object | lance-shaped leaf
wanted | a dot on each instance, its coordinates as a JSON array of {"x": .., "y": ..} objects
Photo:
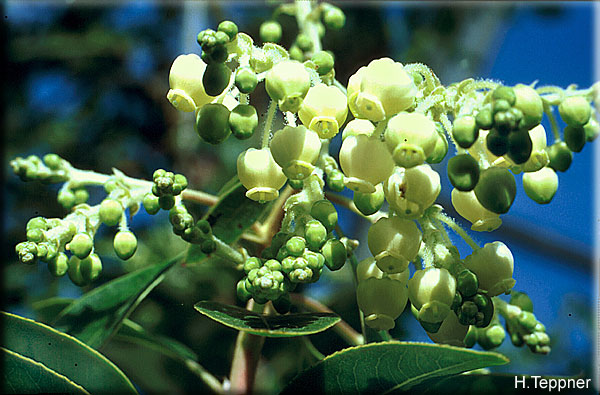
[
  {"x": 60, "y": 353},
  {"x": 298, "y": 324},
  {"x": 387, "y": 366}
]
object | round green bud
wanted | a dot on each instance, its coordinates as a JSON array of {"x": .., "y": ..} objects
[
  {"x": 296, "y": 53},
  {"x": 323, "y": 60},
  {"x": 314, "y": 260},
  {"x": 273, "y": 265},
  {"x": 221, "y": 38},
  {"x": 504, "y": 93},
  {"x": 53, "y": 161},
  {"x": 467, "y": 283},
  {"x": 369, "y": 203},
  {"x": 66, "y": 198},
  {"x": 541, "y": 185},
  {"x": 295, "y": 246},
  {"x": 335, "y": 254},
  {"x": 166, "y": 202},
  {"x": 242, "y": 292},
  {"x": 522, "y": 300},
  {"x": 496, "y": 189},
  {"x": 270, "y": 31},
  {"x": 251, "y": 263},
  {"x": 208, "y": 246},
  {"x": 334, "y": 18},
  {"x": 216, "y": 55},
  {"x": 216, "y": 78},
  {"x": 575, "y": 111},
  {"x": 150, "y": 203},
  {"x": 304, "y": 42},
  {"x": 81, "y": 245},
  {"x": 484, "y": 119},
  {"x": 228, "y": 28},
  {"x": 181, "y": 181},
  {"x": 110, "y": 185},
  {"x": 324, "y": 211},
  {"x": 527, "y": 320},
  {"x": 37, "y": 223},
  {"x": 212, "y": 123},
  {"x": 465, "y": 131},
  {"x": 502, "y": 123},
  {"x": 463, "y": 172},
  {"x": 204, "y": 227},
  {"x": 335, "y": 181},
  {"x": 592, "y": 129},
  {"x": 315, "y": 234},
  {"x": 492, "y": 337},
  {"x": 59, "y": 265},
  {"x": 125, "y": 244},
  {"x": 243, "y": 121},
  {"x": 530, "y": 103},
  {"x": 519, "y": 146},
  {"x": 500, "y": 106},
  {"x": 574, "y": 137},
  {"x": 110, "y": 212},
  {"x": 74, "y": 271},
  {"x": 296, "y": 184},
  {"x": 560, "y": 156},
  {"x": 245, "y": 80},
  {"x": 90, "y": 268},
  {"x": 35, "y": 235}
]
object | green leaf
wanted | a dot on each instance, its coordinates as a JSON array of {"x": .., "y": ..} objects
[
  {"x": 95, "y": 316},
  {"x": 288, "y": 325},
  {"x": 63, "y": 354},
  {"x": 233, "y": 214},
  {"x": 382, "y": 367},
  {"x": 23, "y": 375},
  {"x": 48, "y": 309}
]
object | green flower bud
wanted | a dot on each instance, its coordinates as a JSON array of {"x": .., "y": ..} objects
[
  {"x": 296, "y": 184},
  {"x": 519, "y": 146},
  {"x": 465, "y": 131},
  {"x": 125, "y": 244},
  {"x": 314, "y": 260},
  {"x": 541, "y": 185},
  {"x": 35, "y": 235},
  {"x": 381, "y": 301},
  {"x": 304, "y": 42},
  {"x": 324, "y": 212},
  {"x": 431, "y": 291},
  {"x": 53, "y": 161},
  {"x": 335, "y": 181},
  {"x": 243, "y": 121},
  {"x": 530, "y": 103},
  {"x": 575, "y": 111},
  {"x": 380, "y": 90},
  {"x": 66, "y": 198},
  {"x": 74, "y": 271},
  {"x": 394, "y": 242},
  {"x": 229, "y": 28},
  {"x": 521, "y": 300},
  {"x": 260, "y": 174},
  {"x": 110, "y": 212},
  {"x": 270, "y": 31},
  {"x": 560, "y": 156},
  {"x": 467, "y": 205},
  {"x": 323, "y": 60},
  {"x": 251, "y": 263},
  {"x": 242, "y": 292},
  {"x": 296, "y": 150},
  {"x": 324, "y": 110},
  {"x": 575, "y": 137},
  {"x": 296, "y": 53},
  {"x": 492, "y": 337},
  {"x": 335, "y": 254},
  {"x": 592, "y": 129},
  {"x": 334, "y": 18},
  {"x": 463, "y": 172},
  {"x": 315, "y": 234},
  {"x": 27, "y": 252},
  {"x": 287, "y": 83},
  {"x": 216, "y": 78},
  {"x": 369, "y": 203},
  {"x": 365, "y": 162},
  {"x": 185, "y": 80},
  {"x": 295, "y": 246},
  {"x": 539, "y": 156},
  {"x": 496, "y": 143},
  {"x": 212, "y": 123},
  {"x": 245, "y": 80},
  {"x": 90, "y": 268},
  {"x": 411, "y": 138},
  {"x": 410, "y": 191},
  {"x": 484, "y": 119},
  {"x": 81, "y": 245},
  {"x": 493, "y": 264},
  {"x": 166, "y": 202},
  {"x": 59, "y": 265},
  {"x": 450, "y": 332},
  {"x": 37, "y": 223},
  {"x": 496, "y": 189},
  {"x": 467, "y": 283},
  {"x": 505, "y": 93},
  {"x": 208, "y": 246}
]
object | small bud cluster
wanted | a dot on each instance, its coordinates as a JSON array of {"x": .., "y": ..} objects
[
  {"x": 523, "y": 327},
  {"x": 51, "y": 169}
]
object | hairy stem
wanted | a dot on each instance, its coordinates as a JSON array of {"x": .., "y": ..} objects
[
  {"x": 266, "y": 137},
  {"x": 457, "y": 229}
]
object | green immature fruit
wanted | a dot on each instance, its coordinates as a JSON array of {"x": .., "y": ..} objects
[
  {"x": 125, "y": 244},
  {"x": 270, "y": 31},
  {"x": 560, "y": 156},
  {"x": 243, "y": 121},
  {"x": 465, "y": 131},
  {"x": 484, "y": 119},
  {"x": 245, "y": 80},
  {"x": 369, "y": 203},
  {"x": 216, "y": 78},
  {"x": 467, "y": 283},
  {"x": 496, "y": 189},
  {"x": 81, "y": 245},
  {"x": 575, "y": 111},
  {"x": 334, "y": 18},
  {"x": 90, "y": 268},
  {"x": 463, "y": 172},
  {"x": 59, "y": 265},
  {"x": 315, "y": 234},
  {"x": 212, "y": 123},
  {"x": 575, "y": 137},
  {"x": 541, "y": 185},
  {"x": 110, "y": 212},
  {"x": 519, "y": 146},
  {"x": 324, "y": 211},
  {"x": 335, "y": 254},
  {"x": 323, "y": 60},
  {"x": 496, "y": 143}
]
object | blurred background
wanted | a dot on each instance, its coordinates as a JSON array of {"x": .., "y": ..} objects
[{"x": 89, "y": 83}]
